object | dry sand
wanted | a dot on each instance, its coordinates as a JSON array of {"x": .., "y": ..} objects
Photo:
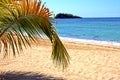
[{"x": 88, "y": 62}]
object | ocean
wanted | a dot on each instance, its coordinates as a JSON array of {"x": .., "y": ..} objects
[{"x": 91, "y": 30}]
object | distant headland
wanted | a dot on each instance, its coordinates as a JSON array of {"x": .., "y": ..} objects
[{"x": 65, "y": 15}]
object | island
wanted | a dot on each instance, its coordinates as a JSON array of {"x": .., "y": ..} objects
[{"x": 65, "y": 15}]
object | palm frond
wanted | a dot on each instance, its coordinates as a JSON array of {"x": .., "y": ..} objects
[{"x": 24, "y": 22}]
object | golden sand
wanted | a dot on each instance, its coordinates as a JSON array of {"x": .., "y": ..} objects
[{"x": 88, "y": 62}]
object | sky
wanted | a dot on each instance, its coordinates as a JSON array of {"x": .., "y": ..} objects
[{"x": 85, "y": 8}]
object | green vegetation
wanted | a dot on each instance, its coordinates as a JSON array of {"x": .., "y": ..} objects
[{"x": 22, "y": 24}]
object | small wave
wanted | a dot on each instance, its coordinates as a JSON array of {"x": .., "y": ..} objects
[{"x": 94, "y": 42}]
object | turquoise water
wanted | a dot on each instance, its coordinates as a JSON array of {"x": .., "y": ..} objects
[{"x": 101, "y": 29}]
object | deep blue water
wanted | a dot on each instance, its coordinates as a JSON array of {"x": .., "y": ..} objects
[{"x": 102, "y": 29}]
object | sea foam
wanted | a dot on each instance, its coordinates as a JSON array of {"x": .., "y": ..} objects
[{"x": 93, "y": 42}]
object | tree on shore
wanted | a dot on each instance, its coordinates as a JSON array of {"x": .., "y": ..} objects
[{"x": 21, "y": 24}]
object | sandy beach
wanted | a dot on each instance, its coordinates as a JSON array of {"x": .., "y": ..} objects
[{"x": 88, "y": 62}]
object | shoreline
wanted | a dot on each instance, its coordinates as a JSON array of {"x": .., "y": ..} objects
[{"x": 91, "y": 42}]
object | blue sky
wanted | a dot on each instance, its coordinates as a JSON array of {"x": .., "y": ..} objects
[{"x": 85, "y": 8}]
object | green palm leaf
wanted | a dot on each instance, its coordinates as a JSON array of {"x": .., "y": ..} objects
[{"x": 21, "y": 23}]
